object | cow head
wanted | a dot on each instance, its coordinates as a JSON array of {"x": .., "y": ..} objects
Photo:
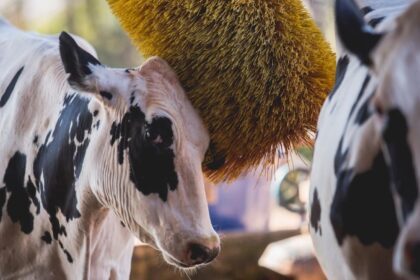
[
  {"x": 394, "y": 59},
  {"x": 147, "y": 154}
]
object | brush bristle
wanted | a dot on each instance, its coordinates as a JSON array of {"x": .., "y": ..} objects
[{"x": 258, "y": 71}]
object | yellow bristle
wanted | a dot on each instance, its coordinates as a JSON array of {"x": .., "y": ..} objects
[{"x": 258, "y": 71}]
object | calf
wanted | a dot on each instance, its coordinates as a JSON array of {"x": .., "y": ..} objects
[
  {"x": 365, "y": 217},
  {"x": 90, "y": 155}
]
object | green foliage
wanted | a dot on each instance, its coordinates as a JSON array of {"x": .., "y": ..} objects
[{"x": 306, "y": 152}]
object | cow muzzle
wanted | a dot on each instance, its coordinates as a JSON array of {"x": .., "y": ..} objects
[{"x": 194, "y": 253}]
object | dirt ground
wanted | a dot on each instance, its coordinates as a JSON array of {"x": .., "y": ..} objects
[{"x": 238, "y": 260}]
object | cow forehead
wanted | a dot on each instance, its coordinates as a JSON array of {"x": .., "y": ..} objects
[
  {"x": 410, "y": 18},
  {"x": 159, "y": 126},
  {"x": 119, "y": 81},
  {"x": 187, "y": 129},
  {"x": 164, "y": 98},
  {"x": 397, "y": 61},
  {"x": 156, "y": 96},
  {"x": 400, "y": 46}
]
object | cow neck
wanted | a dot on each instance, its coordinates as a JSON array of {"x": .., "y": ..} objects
[{"x": 106, "y": 238}]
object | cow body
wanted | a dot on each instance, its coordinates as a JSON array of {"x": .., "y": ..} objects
[
  {"x": 72, "y": 187},
  {"x": 354, "y": 224},
  {"x": 37, "y": 139}
]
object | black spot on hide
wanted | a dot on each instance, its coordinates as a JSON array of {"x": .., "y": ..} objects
[
  {"x": 360, "y": 95},
  {"x": 106, "y": 94},
  {"x": 69, "y": 257},
  {"x": 35, "y": 141},
  {"x": 59, "y": 161},
  {"x": 412, "y": 254},
  {"x": 5, "y": 97},
  {"x": 151, "y": 158},
  {"x": 363, "y": 205},
  {"x": 364, "y": 112},
  {"x": 18, "y": 203},
  {"x": 47, "y": 237},
  {"x": 97, "y": 124},
  {"x": 2, "y": 200},
  {"x": 341, "y": 70},
  {"x": 32, "y": 191},
  {"x": 315, "y": 218},
  {"x": 401, "y": 166},
  {"x": 132, "y": 98}
]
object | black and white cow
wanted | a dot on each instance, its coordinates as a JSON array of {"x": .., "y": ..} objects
[
  {"x": 90, "y": 155},
  {"x": 365, "y": 212}
]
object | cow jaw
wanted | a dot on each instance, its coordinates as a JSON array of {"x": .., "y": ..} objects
[
  {"x": 190, "y": 228},
  {"x": 179, "y": 223}
]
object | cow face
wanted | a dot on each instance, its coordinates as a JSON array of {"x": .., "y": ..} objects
[
  {"x": 397, "y": 103},
  {"x": 147, "y": 154},
  {"x": 395, "y": 59}
]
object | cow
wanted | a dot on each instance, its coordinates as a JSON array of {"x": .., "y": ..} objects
[
  {"x": 92, "y": 155},
  {"x": 364, "y": 207}
]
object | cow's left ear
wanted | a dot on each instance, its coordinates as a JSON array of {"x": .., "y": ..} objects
[
  {"x": 77, "y": 63},
  {"x": 355, "y": 34},
  {"x": 156, "y": 64}
]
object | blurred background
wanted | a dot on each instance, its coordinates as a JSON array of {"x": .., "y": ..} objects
[
  {"x": 90, "y": 19},
  {"x": 93, "y": 20},
  {"x": 261, "y": 216}
]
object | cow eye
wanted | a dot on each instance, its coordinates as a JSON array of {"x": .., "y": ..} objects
[
  {"x": 159, "y": 132},
  {"x": 154, "y": 138},
  {"x": 378, "y": 109}
]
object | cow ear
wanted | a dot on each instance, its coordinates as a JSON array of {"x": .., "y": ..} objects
[
  {"x": 156, "y": 64},
  {"x": 77, "y": 63},
  {"x": 355, "y": 34}
]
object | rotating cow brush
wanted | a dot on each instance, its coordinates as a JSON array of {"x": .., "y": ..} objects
[{"x": 257, "y": 71}]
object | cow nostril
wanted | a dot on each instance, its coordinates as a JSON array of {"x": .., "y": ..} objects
[
  {"x": 412, "y": 256},
  {"x": 199, "y": 254}
]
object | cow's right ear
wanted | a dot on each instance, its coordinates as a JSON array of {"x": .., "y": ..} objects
[{"x": 77, "y": 63}]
